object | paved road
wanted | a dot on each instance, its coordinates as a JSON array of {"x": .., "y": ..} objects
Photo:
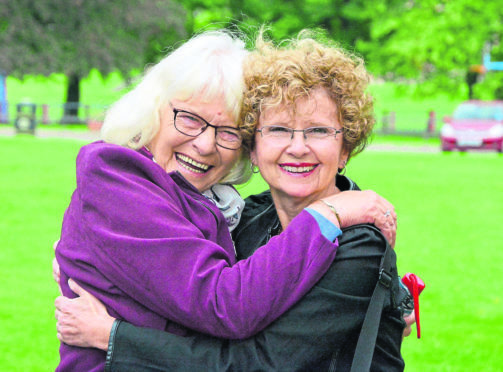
[
  {"x": 403, "y": 148},
  {"x": 89, "y": 136},
  {"x": 83, "y": 135}
]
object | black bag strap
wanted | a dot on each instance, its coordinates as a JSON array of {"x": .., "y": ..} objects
[{"x": 368, "y": 335}]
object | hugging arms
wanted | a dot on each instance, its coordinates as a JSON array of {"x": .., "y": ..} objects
[{"x": 299, "y": 135}]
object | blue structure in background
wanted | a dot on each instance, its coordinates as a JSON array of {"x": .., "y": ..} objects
[
  {"x": 4, "y": 109},
  {"x": 491, "y": 65}
]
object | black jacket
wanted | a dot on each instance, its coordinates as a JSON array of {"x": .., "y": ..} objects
[{"x": 320, "y": 331}]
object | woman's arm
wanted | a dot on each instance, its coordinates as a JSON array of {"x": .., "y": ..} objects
[
  {"x": 358, "y": 207},
  {"x": 82, "y": 321},
  {"x": 131, "y": 237},
  {"x": 325, "y": 322}
]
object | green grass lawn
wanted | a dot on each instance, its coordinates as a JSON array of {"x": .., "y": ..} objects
[
  {"x": 96, "y": 91},
  {"x": 449, "y": 208},
  {"x": 411, "y": 114},
  {"x": 37, "y": 180},
  {"x": 449, "y": 232}
]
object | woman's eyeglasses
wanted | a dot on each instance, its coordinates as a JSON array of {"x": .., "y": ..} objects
[
  {"x": 285, "y": 134},
  {"x": 193, "y": 125}
]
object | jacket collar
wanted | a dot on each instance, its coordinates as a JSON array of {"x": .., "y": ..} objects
[{"x": 261, "y": 219}]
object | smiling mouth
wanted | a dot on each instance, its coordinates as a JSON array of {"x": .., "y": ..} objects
[
  {"x": 191, "y": 164},
  {"x": 292, "y": 169}
]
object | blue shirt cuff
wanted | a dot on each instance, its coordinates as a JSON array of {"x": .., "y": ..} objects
[{"x": 327, "y": 228}]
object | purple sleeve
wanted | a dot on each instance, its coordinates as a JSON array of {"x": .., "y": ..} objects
[{"x": 147, "y": 243}]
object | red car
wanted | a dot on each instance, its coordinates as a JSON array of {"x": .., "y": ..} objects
[{"x": 474, "y": 125}]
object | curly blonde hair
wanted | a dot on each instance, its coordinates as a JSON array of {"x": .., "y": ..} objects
[{"x": 277, "y": 75}]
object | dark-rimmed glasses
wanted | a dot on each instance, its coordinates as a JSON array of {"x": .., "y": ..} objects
[{"x": 193, "y": 125}]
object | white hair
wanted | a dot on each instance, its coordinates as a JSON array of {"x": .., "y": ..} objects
[{"x": 208, "y": 66}]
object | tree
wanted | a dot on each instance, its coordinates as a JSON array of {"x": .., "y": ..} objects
[
  {"x": 341, "y": 19},
  {"x": 73, "y": 37},
  {"x": 433, "y": 42}
]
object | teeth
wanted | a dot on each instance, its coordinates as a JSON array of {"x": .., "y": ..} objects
[
  {"x": 298, "y": 169},
  {"x": 202, "y": 167},
  {"x": 191, "y": 169}
]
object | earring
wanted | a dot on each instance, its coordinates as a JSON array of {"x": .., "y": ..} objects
[
  {"x": 342, "y": 171},
  {"x": 254, "y": 168}
]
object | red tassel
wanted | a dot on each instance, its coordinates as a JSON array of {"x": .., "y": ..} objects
[{"x": 415, "y": 286}]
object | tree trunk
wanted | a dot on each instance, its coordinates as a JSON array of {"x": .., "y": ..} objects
[
  {"x": 71, "y": 113},
  {"x": 471, "y": 79}
]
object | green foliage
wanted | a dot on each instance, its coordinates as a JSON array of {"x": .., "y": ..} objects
[
  {"x": 49, "y": 36},
  {"x": 431, "y": 41},
  {"x": 491, "y": 86},
  {"x": 341, "y": 18}
]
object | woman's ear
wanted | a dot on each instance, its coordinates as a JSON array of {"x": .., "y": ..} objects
[
  {"x": 343, "y": 159},
  {"x": 253, "y": 157}
]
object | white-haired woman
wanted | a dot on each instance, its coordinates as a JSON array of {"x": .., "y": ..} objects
[{"x": 144, "y": 232}]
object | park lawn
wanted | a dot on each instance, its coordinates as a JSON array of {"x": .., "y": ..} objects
[
  {"x": 449, "y": 208},
  {"x": 411, "y": 114},
  {"x": 37, "y": 180},
  {"x": 96, "y": 91},
  {"x": 449, "y": 232}
]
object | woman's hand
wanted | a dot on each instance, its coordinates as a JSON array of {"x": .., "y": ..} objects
[
  {"x": 356, "y": 207},
  {"x": 83, "y": 321},
  {"x": 409, "y": 321},
  {"x": 55, "y": 267}
]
